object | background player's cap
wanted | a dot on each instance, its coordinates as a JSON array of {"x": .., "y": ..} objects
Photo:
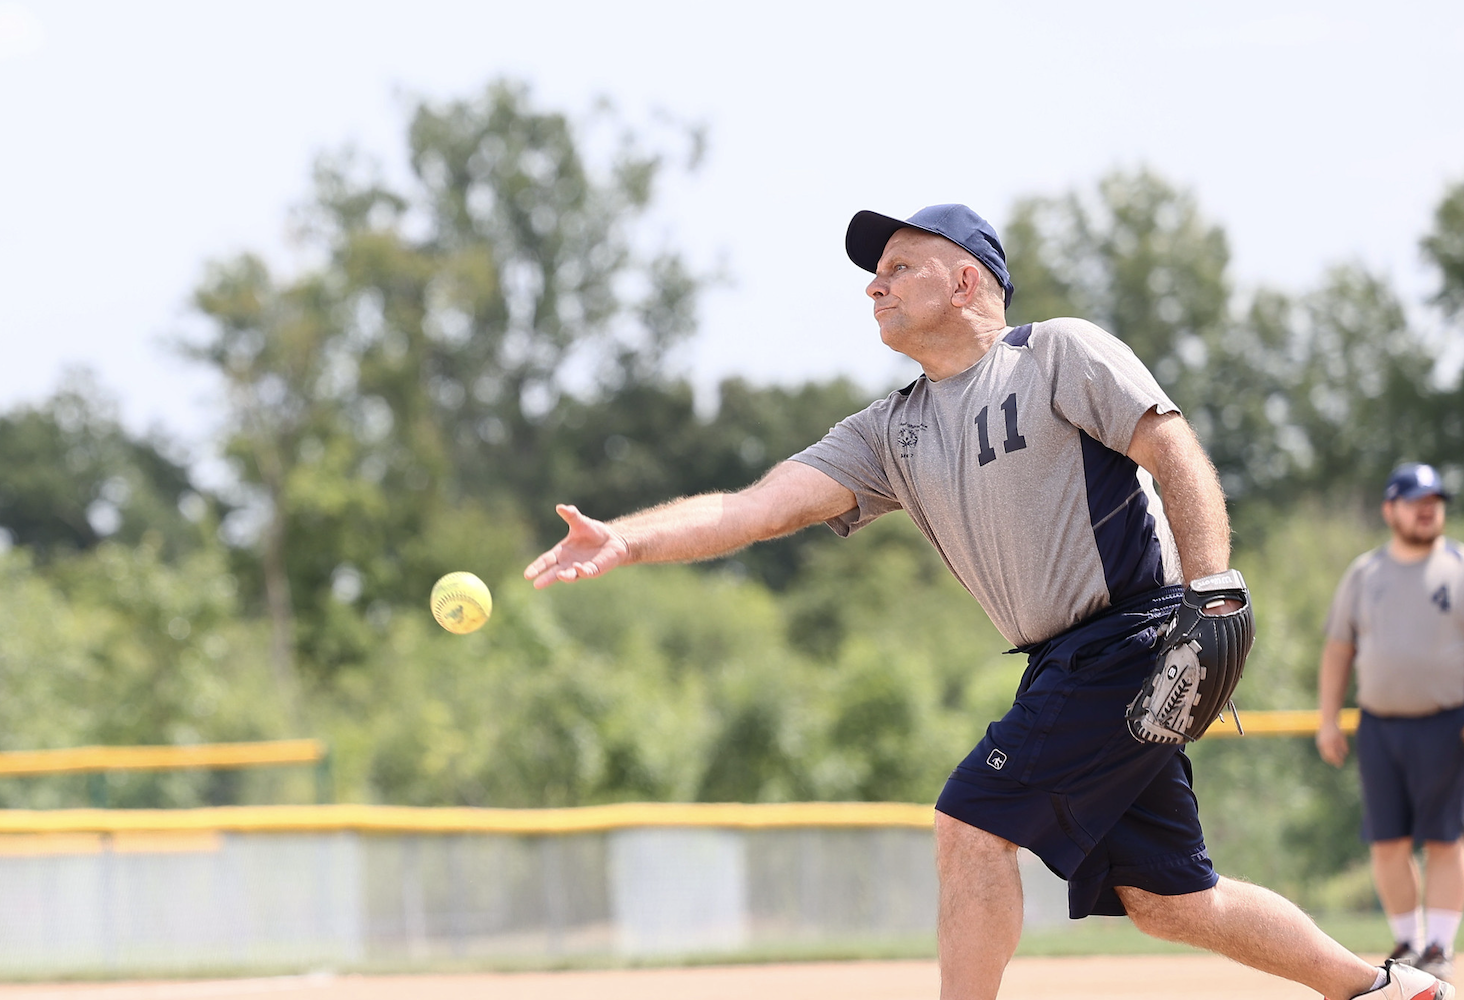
[
  {"x": 1413, "y": 480},
  {"x": 869, "y": 232}
]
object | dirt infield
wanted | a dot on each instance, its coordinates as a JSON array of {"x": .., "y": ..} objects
[{"x": 1203, "y": 978}]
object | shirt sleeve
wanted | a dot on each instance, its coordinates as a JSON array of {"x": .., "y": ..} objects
[
  {"x": 850, "y": 455},
  {"x": 1342, "y": 617},
  {"x": 1098, "y": 384}
]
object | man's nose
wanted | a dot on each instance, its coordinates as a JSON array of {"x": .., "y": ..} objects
[{"x": 875, "y": 288}]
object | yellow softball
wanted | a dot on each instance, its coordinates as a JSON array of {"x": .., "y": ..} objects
[{"x": 461, "y": 603}]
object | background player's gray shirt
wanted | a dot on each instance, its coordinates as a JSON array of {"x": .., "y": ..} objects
[
  {"x": 1407, "y": 622},
  {"x": 1015, "y": 470}
]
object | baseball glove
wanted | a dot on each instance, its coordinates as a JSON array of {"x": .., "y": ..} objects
[{"x": 1200, "y": 657}]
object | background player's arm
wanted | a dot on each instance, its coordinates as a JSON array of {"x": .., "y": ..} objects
[
  {"x": 791, "y": 496},
  {"x": 1332, "y": 681},
  {"x": 1164, "y": 444}
]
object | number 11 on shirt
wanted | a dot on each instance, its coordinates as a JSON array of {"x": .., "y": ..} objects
[{"x": 1013, "y": 442}]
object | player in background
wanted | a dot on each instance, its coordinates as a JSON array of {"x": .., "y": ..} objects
[
  {"x": 1398, "y": 619},
  {"x": 1028, "y": 456}
]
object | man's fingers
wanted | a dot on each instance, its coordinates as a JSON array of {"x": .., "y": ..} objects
[
  {"x": 539, "y": 565},
  {"x": 556, "y": 566}
]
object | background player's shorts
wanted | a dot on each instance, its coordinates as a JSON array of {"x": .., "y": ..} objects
[
  {"x": 1412, "y": 776},
  {"x": 1060, "y": 774}
]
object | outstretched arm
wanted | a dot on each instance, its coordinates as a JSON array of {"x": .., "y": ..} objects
[
  {"x": 1193, "y": 501},
  {"x": 791, "y": 496}
]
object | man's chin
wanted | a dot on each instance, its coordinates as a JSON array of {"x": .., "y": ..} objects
[{"x": 1424, "y": 537}]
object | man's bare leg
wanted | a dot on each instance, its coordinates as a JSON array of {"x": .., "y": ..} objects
[
  {"x": 1395, "y": 874},
  {"x": 1256, "y": 927},
  {"x": 980, "y": 918},
  {"x": 1443, "y": 875}
]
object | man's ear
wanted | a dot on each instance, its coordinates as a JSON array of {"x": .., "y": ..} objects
[{"x": 968, "y": 285}]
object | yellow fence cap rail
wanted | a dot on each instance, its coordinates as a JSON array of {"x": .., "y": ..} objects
[
  {"x": 1282, "y": 722},
  {"x": 410, "y": 819},
  {"x": 159, "y": 758}
]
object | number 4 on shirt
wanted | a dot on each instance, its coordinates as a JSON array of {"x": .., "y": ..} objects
[{"x": 1013, "y": 442}]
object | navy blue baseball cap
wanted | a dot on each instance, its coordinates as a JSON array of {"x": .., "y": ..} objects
[
  {"x": 1413, "y": 480},
  {"x": 869, "y": 232}
]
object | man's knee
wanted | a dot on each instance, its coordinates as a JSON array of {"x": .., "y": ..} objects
[{"x": 1398, "y": 847}]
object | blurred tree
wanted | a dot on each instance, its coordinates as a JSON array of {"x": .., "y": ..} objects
[
  {"x": 1444, "y": 248},
  {"x": 415, "y": 371},
  {"x": 1363, "y": 387},
  {"x": 74, "y": 477},
  {"x": 512, "y": 270},
  {"x": 272, "y": 346}
]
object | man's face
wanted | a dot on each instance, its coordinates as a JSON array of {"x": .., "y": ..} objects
[
  {"x": 912, "y": 287},
  {"x": 1416, "y": 522}
]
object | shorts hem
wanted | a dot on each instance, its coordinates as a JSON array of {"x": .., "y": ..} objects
[
  {"x": 1059, "y": 853},
  {"x": 1174, "y": 875}
]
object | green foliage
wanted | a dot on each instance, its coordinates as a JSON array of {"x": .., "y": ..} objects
[
  {"x": 117, "y": 646},
  {"x": 413, "y": 374},
  {"x": 1444, "y": 247},
  {"x": 73, "y": 478}
]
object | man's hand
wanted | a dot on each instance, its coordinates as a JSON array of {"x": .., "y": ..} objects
[
  {"x": 1331, "y": 743},
  {"x": 591, "y": 548}
]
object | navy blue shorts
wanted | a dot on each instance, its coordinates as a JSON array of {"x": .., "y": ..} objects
[
  {"x": 1412, "y": 776},
  {"x": 1060, "y": 774}
]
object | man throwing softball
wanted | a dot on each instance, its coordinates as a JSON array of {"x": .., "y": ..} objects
[{"x": 1028, "y": 457}]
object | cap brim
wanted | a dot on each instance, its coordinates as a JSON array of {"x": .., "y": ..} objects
[
  {"x": 1426, "y": 491},
  {"x": 867, "y": 235}
]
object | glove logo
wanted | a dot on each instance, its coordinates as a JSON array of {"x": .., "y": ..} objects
[{"x": 997, "y": 760}]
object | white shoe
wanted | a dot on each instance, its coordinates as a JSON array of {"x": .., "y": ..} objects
[
  {"x": 1436, "y": 962},
  {"x": 1407, "y": 983}
]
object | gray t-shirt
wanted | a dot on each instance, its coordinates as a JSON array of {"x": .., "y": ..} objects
[
  {"x": 1407, "y": 622},
  {"x": 1016, "y": 471}
]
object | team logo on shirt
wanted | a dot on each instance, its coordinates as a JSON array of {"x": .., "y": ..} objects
[
  {"x": 1441, "y": 598},
  {"x": 996, "y": 760},
  {"x": 907, "y": 437}
]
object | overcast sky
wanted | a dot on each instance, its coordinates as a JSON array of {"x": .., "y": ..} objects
[{"x": 140, "y": 140}]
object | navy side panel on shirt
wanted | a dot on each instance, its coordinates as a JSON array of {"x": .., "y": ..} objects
[{"x": 1122, "y": 526}]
